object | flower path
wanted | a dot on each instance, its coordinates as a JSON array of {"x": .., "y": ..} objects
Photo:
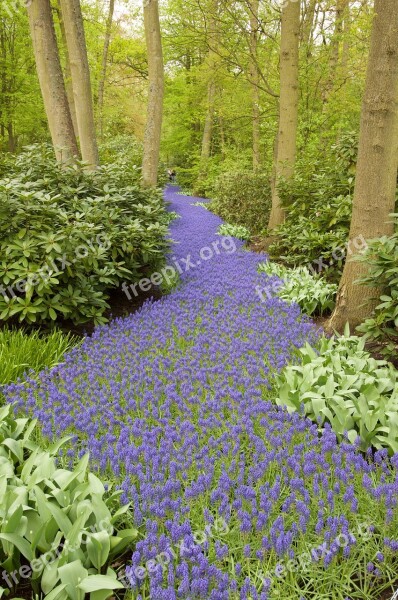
[{"x": 174, "y": 401}]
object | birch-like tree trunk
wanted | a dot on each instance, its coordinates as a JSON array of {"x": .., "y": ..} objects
[
  {"x": 101, "y": 85},
  {"x": 376, "y": 174},
  {"x": 81, "y": 84},
  {"x": 288, "y": 104},
  {"x": 51, "y": 80},
  {"x": 153, "y": 130}
]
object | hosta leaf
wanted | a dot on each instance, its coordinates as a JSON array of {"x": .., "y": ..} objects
[{"x": 94, "y": 583}]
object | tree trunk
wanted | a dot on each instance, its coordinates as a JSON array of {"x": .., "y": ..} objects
[
  {"x": 101, "y": 86},
  {"x": 254, "y": 80},
  {"x": 376, "y": 179},
  {"x": 51, "y": 80},
  {"x": 68, "y": 75},
  {"x": 153, "y": 130},
  {"x": 288, "y": 104},
  {"x": 12, "y": 142},
  {"x": 212, "y": 60},
  {"x": 341, "y": 9},
  {"x": 307, "y": 26},
  {"x": 76, "y": 43},
  {"x": 208, "y": 127}
]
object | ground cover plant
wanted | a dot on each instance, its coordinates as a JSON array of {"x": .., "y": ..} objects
[
  {"x": 234, "y": 497},
  {"x": 59, "y": 528},
  {"x": 68, "y": 237},
  {"x": 341, "y": 383},
  {"x": 21, "y": 352},
  {"x": 313, "y": 294},
  {"x": 238, "y": 231}
]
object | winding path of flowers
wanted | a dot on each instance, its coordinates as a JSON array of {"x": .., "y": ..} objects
[{"x": 175, "y": 401}]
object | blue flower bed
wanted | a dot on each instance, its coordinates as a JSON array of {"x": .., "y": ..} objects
[{"x": 233, "y": 497}]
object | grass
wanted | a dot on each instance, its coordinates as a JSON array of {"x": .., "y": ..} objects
[{"x": 21, "y": 352}]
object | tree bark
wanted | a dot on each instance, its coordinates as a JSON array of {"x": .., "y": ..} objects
[
  {"x": 288, "y": 104},
  {"x": 342, "y": 7},
  {"x": 212, "y": 60},
  {"x": 255, "y": 80},
  {"x": 76, "y": 43},
  {"x": 51, "y": 80},
  {"x": 68, "y": 74},
  {"x": 376, "y": 179},
  {"x": 153, "y": 130},
  {"x": 208, "y": 127},
  {"x": 307, "y": 25},
  {"x": 101, "y": 85}
]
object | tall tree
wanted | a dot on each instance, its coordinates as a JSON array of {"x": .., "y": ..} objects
[
  {"x": 254, "y": 79},
  {"x": 101, "y": 85},
  {"x": 288, "y": 104},
  {"x": 211, "y": 68},
  {"x": 376, "y": 179},
  {"x": 81, "y": 84},
  {"x": 153, "y": 130},
  {"x": 67, "y": 71},
  {"x": 51, "y": 80}
]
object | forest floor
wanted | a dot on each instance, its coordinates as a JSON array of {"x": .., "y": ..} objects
[{"x": 174, "y": 403}]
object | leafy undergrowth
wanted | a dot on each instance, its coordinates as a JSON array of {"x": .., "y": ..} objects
[
  {"x": 60, "y": 528},
  {"x": 68, "y": 237},
  {"x": 235, "y": 497},
  {"x": 22, "y": 352},
  {"x": 342, "y": 384},
  {"x": 314, "y": 295}
]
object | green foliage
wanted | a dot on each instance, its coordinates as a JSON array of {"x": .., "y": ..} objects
[
  {"x": 344, "y": 385},
  {"x": 243, "y": 198},
  {"x": 318, "y": 205},
  {"x": 67, "y": 237},
  {"x": 59, "y": 524},
  {"x": 238, "y": 231},
  {"x": 202, "y": 204},
  {"x": 170, "y": 216},
  {"x": 312, "y": 293},
  {"x": 21, "y": 352},
  {"x": 122, "y": 146},
  {"x": 381, "y": 257}
]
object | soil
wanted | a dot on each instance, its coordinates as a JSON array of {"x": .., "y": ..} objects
[{"x": 260, "y": 243}]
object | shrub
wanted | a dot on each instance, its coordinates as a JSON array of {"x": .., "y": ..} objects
[
  {"x": 21, "y": 352},
  {"x": 243, "y": 198},
  {"x": 318, "y": 210},
  {"x": 113, "y": 148},
  {"x": 57, "y": 525},
  {"x": 312, "y": 293},
  {"x": 344, "y": 385},
  {"x": 67, "y": 237},
  {"x": 381, "y": 257},
  {"x": 238, "y": 231}
]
